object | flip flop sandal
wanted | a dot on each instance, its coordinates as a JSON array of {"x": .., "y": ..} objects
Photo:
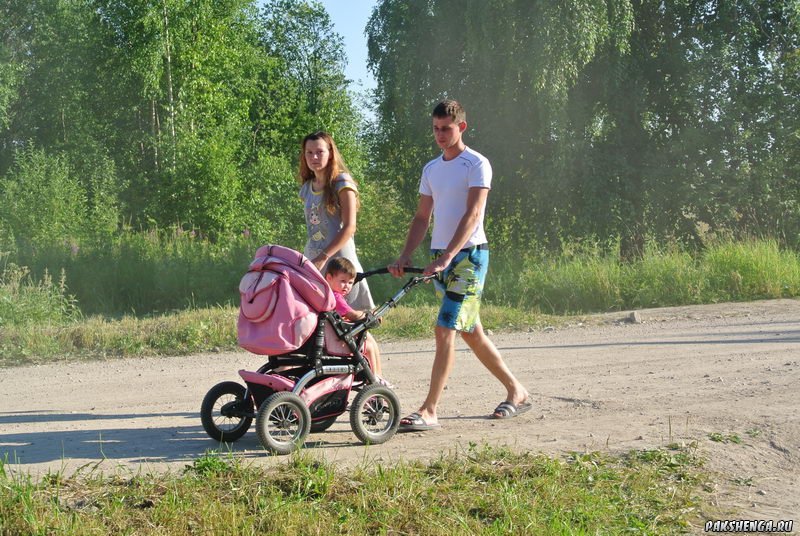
[
  {"x": 385, "y": 383},
  {"x": 415, "y": 423},
  {"x": 507, "y": 410}
]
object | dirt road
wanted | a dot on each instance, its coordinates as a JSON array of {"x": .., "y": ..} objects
[{"x": 681, "y": 375}]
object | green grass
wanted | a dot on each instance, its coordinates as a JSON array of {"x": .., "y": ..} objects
[
  {"x": 484, "y": 490},
  {"x": 27, "y": 301},
  {"x": 181, "y": 333},
  {"x": 196, "y": 330},
  {"x": 735, "y": 271},
  {"x": 718, "y": 437},
  {"x": 156, "y": 272},
  {"x": 591, "y": 281},
  {"x": 40, "y": 319}
]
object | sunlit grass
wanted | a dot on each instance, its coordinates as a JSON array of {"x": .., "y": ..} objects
[
  {"x": 197, "y": 330},
  {"x": 595, "y": 282},
  {"x": 482, "y": 490},
  {"x": 180, "y": 333},
  {"x": 25, "y": 300},
  {"x": 40, "y": 320},
  {"x": 736, "y": 271}
]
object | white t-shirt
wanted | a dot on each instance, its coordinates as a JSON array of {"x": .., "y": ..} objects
[{"x": 448, "y": 182}]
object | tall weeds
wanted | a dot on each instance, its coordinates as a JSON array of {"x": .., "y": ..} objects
[
  {"x": 734, "y": 271},
  {"x": 26, "y": 301},
  {"x": 725, "y": 271},
  {"x": 157, "y": 273},
  {"x": 150, "y": 272}
]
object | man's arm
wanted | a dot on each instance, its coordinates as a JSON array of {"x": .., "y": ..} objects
[
  {"x": 476, "y": 201},
  {"x": 416, "y": 233}
]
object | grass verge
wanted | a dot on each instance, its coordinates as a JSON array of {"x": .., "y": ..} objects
[
  {"x": 40, "y": 321},
  {"x": 485, "y": 490},
  {"x": 198, "y": 330}
]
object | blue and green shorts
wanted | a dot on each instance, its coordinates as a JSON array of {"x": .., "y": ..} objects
[{"x": 460, "y": 286}]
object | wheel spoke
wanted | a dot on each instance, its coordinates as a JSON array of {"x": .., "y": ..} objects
[
  {"x": 225, "y": 412},
  {"x": 284, "y": 422},
  {"x": 224, "y": 422},
  {"x": 373, "y": 412}
]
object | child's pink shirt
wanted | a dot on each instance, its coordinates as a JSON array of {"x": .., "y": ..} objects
[{"x": 342, "y": 307}]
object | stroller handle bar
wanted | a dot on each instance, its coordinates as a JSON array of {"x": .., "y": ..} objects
[
  {"x": 376, "y": 271},
  {"x": 374, "y": 316}
]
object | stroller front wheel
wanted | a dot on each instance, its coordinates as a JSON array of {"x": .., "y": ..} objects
[
  {"x": 283, "y": 422},
  {"x": 225, "y": 412},
  {"x": 375, "y": 414}
]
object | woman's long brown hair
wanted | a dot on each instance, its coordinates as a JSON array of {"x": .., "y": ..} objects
[{"x": 335, "y": 168}]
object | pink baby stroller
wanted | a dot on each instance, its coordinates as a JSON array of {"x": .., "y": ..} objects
[{"x": 315, "y": 360}]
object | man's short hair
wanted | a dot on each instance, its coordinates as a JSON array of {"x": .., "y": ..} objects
[
  {"x": 450, "y": 108},
  {"x": 340, "y": 265}
]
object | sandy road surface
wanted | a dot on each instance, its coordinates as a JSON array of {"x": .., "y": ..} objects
[{"x": 679, "y": 376}]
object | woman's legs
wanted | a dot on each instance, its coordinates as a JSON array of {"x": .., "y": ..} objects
[{"x": 373, "y": 355}]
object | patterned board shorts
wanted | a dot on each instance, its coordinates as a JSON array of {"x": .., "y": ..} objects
[{"x": 460, "y": 286}]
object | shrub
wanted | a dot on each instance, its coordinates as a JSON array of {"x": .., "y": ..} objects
[
  {"x": 748, "y": 270},
  {"x": 24, "y": 301},
  {"x": 44, "y": 201}
]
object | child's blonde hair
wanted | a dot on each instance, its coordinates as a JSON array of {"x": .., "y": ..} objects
[{"x": 340, "y": 265}]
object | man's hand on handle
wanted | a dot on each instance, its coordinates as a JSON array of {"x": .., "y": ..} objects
[
  {"x": 441, "y": 262},
  {"x": 397, "y": 268}
]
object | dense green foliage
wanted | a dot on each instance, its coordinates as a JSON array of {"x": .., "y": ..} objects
[
  {"x": 484, "y": 490},
  {"x": 147, "y": 148},
  {"x": 157, "y": 114},
  {"x": 623, "y": 120}
]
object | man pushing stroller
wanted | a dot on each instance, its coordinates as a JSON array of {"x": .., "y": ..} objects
[{"x": 453, "y": 189}]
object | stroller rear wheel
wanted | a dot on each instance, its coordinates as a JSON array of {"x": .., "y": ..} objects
[
  {"x": 375, "y": 414},
  {"x": 283, "y": 422},
  {"x": 225, "y": 412}
]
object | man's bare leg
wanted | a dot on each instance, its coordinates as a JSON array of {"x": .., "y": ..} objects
[
  {"x": 442, "y": 365},
  {"x": 489, "y": 356}
]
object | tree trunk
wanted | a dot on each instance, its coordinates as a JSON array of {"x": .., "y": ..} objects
[
  {"x": 155, "y": 129},
  {"x": 170, "y": 95},
  {"x": 631, "y": 244}
]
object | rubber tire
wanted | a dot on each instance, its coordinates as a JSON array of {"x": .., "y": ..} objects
[
  {"x": 367, "y": 394},
  {"x": 322, "y": 425},
  {"x": 292, "y": 402},
  {"x": 207, "y": 412}
]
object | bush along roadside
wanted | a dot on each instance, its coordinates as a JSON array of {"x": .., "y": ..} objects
[{"x": 40, "y": 319}]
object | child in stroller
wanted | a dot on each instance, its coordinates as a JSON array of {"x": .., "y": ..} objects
[
  {"x": 340, "y": 275},
  {"x": 315, "y": 360}
]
